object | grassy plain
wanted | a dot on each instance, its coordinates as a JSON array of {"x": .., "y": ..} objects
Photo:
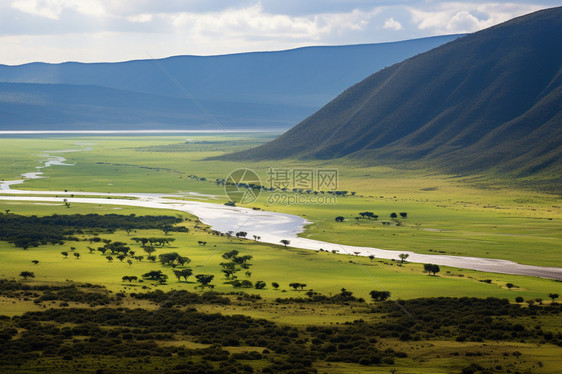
[
  {"x": 324, "y": 272},
  {"x": 446, "y": 214}
]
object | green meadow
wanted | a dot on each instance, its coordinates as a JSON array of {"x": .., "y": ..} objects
[
  {"x": 323, "y": 272},
  {"x": 446, "y": 214}
]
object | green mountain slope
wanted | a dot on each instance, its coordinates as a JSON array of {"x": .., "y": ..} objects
[{"x": 491, "y": 100}]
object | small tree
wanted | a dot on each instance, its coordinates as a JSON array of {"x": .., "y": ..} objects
[
  {"x": 403, "y": 214},
  {"x": 393, "y": 215},
  {"x": 380, "y": 295},
  {"x": 177, "y": 274},
  {"x": 553, "y": 296},
  {"x": 371, "y": 257},
  {"x": 403, "y": 256},
  {"x": 295, "y": 285},
  {"x": 285, "y": 242},
  {"x": 149, "y": 249},
  {"x": 35, "y": 261},
  {"x": 65, "y": 254},
  {"x": 260, "y": 285},
  {"x": 205, "y": 279},
  {"x": 435, "y": 269},
  {"x": 275, "y": 285},
  {"x": 339, "y": 219},
  {"x": 130, "y": 262},
  {"x": 183, "y": 260},
  {"x": 77, "y": 255},
  {"x": 241, "y": 234},
  {"x": 431, "y": 268},
  {"x": 109, "y": 258},
  {"x": 519, "y": 299},
  {"x": 156, "y": 275},
  {"x": 184, "y": 273},
  {"x": 27, "y": 274}
]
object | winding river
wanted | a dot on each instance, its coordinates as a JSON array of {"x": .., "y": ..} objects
[{"x": 270, "y": 226}]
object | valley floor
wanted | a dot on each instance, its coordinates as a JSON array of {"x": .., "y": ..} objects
[{"x": 445, "y": 216}]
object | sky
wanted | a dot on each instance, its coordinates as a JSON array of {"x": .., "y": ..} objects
[{"x": 119, "y": 30}]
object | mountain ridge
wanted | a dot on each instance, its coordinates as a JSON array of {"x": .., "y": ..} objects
[
  {"x": 467, "y": 106},
  {"x": 256, "y": 89}
]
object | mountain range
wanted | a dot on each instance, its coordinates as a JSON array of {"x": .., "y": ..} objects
[
  {"x": 261, "y": 90},
  {"x": 488, "y": 101}
]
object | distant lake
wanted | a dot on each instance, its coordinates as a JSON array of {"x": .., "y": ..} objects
[{"x": 18, "y": 133}]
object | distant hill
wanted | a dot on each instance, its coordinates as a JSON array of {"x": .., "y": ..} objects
[
  {"x": 249, "y": 90},
  {"x": 491, "y": 100}
]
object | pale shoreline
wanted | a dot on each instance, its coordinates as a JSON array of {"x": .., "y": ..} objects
[{"x": 226, "y": 131}]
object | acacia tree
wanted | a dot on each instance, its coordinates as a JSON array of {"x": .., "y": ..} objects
[
  {"x": 156, "y": 275},
  {"x": 553, "y": 296},
  {"x": 285, "y": 242},
  {"x": 183, "y": 260},
  {"x": 65, "y": 254},
  {"x": 167, "y": 228},
  {"x": 229, "y": 255},
  {"x": 241, "y": 234},
  {"x": 27, "y": 274},
  {"x": 77, "y": 255},
  {"x": 295, "y": 285},
  {"x": 205, "y": 279},
  {"x": 432, "y": 268},
  {"x": 149, "y": 249},
  {"x": 275, "y": 285},
  {"x": 403, "y": 256},
  {"x": 379, "y": 295},
  {"x": 184, "y": 273},
  {"x": 435, "y": 269}
]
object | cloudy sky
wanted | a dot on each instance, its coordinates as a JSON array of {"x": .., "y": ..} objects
[{"x": 116, "y": 30}]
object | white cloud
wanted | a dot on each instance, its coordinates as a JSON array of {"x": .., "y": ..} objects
[
  {"x": 141, "y": 18},
  {"x": 47, "y": 9},
  {"x": 456, "y": 17},
  {"x": 110, "y": 30},
  {"x": 392, "y": 24},
  {"x": 52, "y": 9},
  {"x": 253, "y": 23}
]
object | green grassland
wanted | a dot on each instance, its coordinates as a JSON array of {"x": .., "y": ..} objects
[
  {"x": 323, "y": 272},
  {"x": 446, "y": 214}
]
